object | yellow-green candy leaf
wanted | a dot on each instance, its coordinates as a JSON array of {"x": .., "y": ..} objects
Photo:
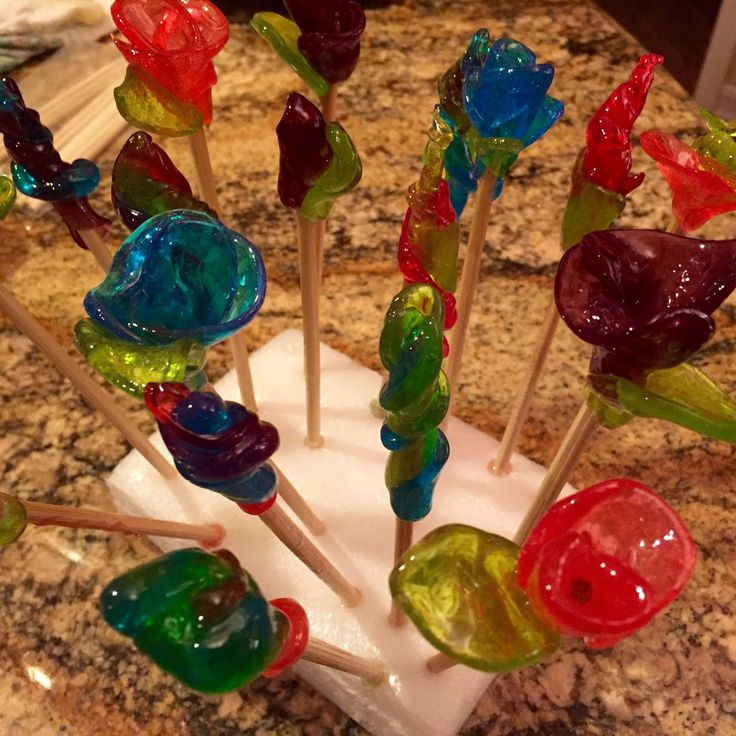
[
  {"x": 13, "y": 518},
  {"x": 130, "y": 367},
  {"x": 458, "y": 585},
  {"x": 342, "y": 175},
  {"x": 7, "y": 196},
  {"x": 283, "y": 36}
]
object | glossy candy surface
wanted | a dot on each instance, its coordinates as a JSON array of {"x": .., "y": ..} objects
[
  {"x": 458, "y": 586},
  {"x": 182, "y": 274},
  {"x": 321, "y": 44},
  {"x": 174, "y": 41},
  {"x": 38, "y": 170},
  {"x": 202, "y": 618},
  {"x": 495, "y": 100},
  {"x": 317, "y": 162},
  {"x": 145, "y": 183},
  {"x": 701, "y": 187},
  {"x": 601, "y": 177},
  {"x": 129, "y": 366},
  {"x": 12, "y": 518},
  {"x": 7, "y": 196},
  {"x": 719, "y": 143},
  {"x": 601, "y": 563},
  {"x": 643, "y": 298},
  {"x": 216, "y": 444},
  {"x": 415, "y": 397}
]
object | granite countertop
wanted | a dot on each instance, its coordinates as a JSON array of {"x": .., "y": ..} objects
[{"x": 64, "y": 672}]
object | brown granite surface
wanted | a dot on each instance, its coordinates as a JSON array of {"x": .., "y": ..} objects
[{"x": 63, "y": 672}]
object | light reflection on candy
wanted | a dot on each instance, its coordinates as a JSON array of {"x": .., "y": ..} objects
[
  {"x": 130, "y": 366},
  {"x": 202, "y": 618},
  {"x": 603, "y": 562},
  {"x": 216, "y": 444},
  {"x": 182, "y": 274},
  {"x": 415, "y": 397},
  {"x": 38, "y": 170},
  {"x": 145, "y": 182}
]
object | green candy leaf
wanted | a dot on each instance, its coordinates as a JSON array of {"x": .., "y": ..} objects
[
  {"x": 341, "y": 176},
  {"x": 283, "y": 36},
  {"x": 7, "y": 196}
]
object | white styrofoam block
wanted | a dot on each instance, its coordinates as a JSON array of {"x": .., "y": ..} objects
[{"x": 343, "y": 481}]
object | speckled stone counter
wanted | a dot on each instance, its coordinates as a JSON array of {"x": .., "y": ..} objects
[{"x": 63, "y": 672}]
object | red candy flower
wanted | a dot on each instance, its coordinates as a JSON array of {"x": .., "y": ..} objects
[
  {"x": 701, "y": 187},
  {"x": 607, "y": 156},
  {"x": 174, "y": 41}
]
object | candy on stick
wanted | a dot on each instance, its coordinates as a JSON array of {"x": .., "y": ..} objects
[
  {"x": 702, "y": 187},
  {"x": 39, "y": 172},
  {"x": 496, "y": 103},
  {"x": 90, "y": 390},
  {"x": 415, "y": 398},
  {"x": 321, "y": 44},
  {"x": 145, "y": 183},
  {"x": 601, "y": 180},
  {"x": 7, "y": 196},
  {"x": 599, "y": 564},
  {"x": 169, "y": 46},
  {"x": 221, "y": 446},
  {"x": 202, "y": 618},
  {"x": 15, "y": 515},
  {"x": 317, "y": 164}
]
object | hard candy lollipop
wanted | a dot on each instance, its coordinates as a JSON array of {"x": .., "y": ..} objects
[
  {"x": 180, "y": 275},
  {"x": 702, "y": 187},
  {"x": 318, "y": 161},
  {"x": 602, "y": 563},
  {"x": 202, "y": 618},
  {"x": 38, "y": 170},
  {"x": 221, "y": 446},
  {"x": 145, "y": 182},
  {"x": 321, "y": 44},
  {"x": 415, "y": 398},
  {"x": 169, "y": 46}
]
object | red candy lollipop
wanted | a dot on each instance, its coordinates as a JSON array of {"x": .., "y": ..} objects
[{"x": 603, "y": 562}]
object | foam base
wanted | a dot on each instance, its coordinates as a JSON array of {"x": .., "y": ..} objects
[{"x": 343, "y": 481}]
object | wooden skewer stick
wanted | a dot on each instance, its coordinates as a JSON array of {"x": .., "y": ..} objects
[
  {"x": 294, "y": 500},
  {"x": 329, "y": 104},
  {"x": 51, "y": 514},
  {"x": 92, "y": 393},
  {"x": 469, "y": 279},
  {"x": 203, "y": 165},
  {"x": 285, "y": 529},
  {"x": 239, "y": 350},
  {"x": 320, "y": 652},
  {"x": 402, "y": 542},
  {"x": 97, "y": 248},
  {"x": 578, "y": 435},
  {"x": 309, "y": 234},
  {"x": 501, "y": 465}
]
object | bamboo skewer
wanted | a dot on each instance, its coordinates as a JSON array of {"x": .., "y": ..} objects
[
  {"x": 203, "y": 165},
  {"x": 92, "y": 393},
  {"x": 500, "y": 465},
  {"x": 320, "y": 652},
  {"x": 50, "y": 514},
  {"x": 402, "y": 541},
  {"x": 309, "y": 234},
  {"x": 469, "y": 279},
  {"x": 329, "y": 104},
  {"x": 294, "y": 500},
  {"x": 298, "y": 543},
  {"x": 239, "y": 350},
  {"x": 578, "y": 435},
  {"x": 97, "y": 248}
]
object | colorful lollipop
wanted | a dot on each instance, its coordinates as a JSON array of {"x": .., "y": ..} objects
[
  {"x": 495, "y": 102},
  {"x": 601, "y": 180},
  {"x": 39, "y": 172},
  {"x": 169, "y": 46},
  {"x": 321, "y": 44},
  {"x": 202, "y": 618},
  {"x": 317, "y": 164},
  {"x": 600, "y": 564},
  {"x": 145, "y": 183},
  {"x": 221, "y": 446}
]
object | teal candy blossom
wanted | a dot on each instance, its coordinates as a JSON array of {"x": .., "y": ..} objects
[{"x": 180, "y": 274}]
